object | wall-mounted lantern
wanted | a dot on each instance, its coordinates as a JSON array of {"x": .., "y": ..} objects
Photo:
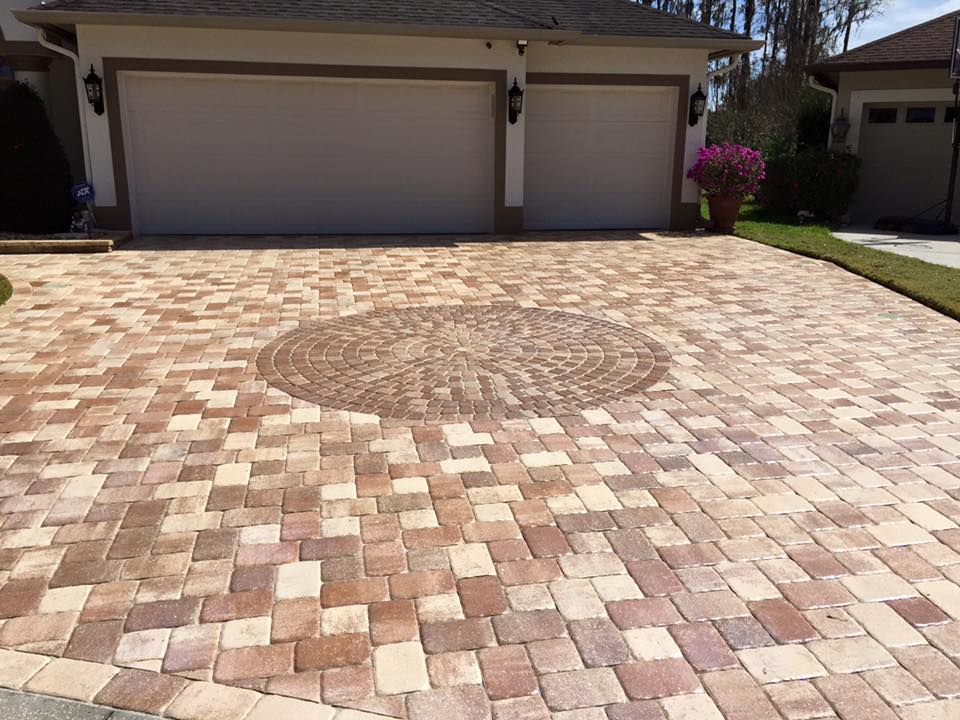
[
  {"x": 698, "y": 105},
  {"x": 522, "y": 47},
  {"x": 515, "y": 106},
  {"x": 839, "y": 129},
  {"x": 94, "y": 86}
]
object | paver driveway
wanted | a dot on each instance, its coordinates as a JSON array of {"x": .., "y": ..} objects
[{"x": 769, "y": 530}]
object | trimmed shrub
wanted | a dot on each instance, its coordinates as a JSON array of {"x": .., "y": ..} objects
[
  {"x": 814, "y": 181},
  {"x": 6, "y": 289},
  {"x": 34, "y": 172}
]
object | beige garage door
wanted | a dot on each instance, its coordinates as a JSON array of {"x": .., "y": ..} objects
[
  {"x": 598, "y": 156},
  {"x": 905, "y": 149},
  {"x": 249, "y": 155}
]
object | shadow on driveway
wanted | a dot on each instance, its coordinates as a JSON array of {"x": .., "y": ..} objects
[{"x": 345, "y": 242}]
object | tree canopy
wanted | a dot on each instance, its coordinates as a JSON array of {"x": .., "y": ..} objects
[{"x": 765, "y": 103}]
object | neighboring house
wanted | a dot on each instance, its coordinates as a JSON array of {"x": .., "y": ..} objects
[
  {"x": 53, "y": 76},
  {"x": 898, "y": 96},
  {"x": 389, "y": 116}
]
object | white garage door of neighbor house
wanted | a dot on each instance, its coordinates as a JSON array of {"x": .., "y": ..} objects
[
  {"x": 253, "y": 155},
  {"x": 598, "y": 156}
]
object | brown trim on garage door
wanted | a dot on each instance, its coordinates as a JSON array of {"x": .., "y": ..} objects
[
  {"x": 680, "y": 215},
  {"x": 504, "y": 218}
]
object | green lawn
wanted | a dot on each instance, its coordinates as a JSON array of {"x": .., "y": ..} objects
[
  {"x": 935, "y": 286},
  {"x": 6, "y": 290}
]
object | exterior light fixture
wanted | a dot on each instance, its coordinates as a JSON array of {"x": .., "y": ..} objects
[
  {"x": 839, "y": 129},
  {"x": 522, "y": 46},
  {"x": 94, "y": 86},
  {"x": 698, "y": 105},
  {"x": 515, "y": 106}
]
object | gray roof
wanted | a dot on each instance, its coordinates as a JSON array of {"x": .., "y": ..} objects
[{"x": 621, "y": 18}]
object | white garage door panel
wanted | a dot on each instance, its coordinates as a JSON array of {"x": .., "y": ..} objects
[
  {"x": 275, "y": 155},
  {"x": 598, "y": 157}
]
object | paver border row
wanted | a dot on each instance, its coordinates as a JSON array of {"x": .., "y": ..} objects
[{"x": 194, "y": 700}]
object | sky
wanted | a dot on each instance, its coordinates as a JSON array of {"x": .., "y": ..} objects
[{"x": 901, "y": 14}]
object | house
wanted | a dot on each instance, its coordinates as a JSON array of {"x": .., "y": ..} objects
[
  {"x": 389, "y": 116},
  {"x": 898, "y": 96},
  {"x": 53, "y": 76}
]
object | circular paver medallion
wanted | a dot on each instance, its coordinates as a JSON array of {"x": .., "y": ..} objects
[{"x": 431, "y": 363}]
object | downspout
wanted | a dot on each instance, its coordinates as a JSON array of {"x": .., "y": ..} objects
[
  {"x": 81, "y": 95},
  {"x": 721, "y": 71},
  {"x": 816, "y": 85}
]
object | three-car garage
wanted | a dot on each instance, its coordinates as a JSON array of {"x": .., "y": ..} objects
[{"x": 342, "y": 151}]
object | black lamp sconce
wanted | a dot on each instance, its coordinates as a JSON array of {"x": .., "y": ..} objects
[
  {"x": 522, "y": 46},
  {"x": 94, "y": 86},
  {"x": 839, "y": 129},
  {"x": 698, "y": 105},
  {"x": 515, "y": 105}
]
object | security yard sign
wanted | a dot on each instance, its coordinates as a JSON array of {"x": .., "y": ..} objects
[{"x": 83, "y": 193}]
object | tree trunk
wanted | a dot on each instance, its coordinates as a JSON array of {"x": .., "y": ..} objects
[
  {"x": 848, "y": 26},
  {"x": 706, "y": 11}
]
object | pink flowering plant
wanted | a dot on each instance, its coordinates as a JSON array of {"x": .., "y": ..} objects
[{"x": 726, "y": 170}]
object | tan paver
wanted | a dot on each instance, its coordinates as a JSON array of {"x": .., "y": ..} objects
[
  {"x": 17, "y": 668},
  {"x": 583, "y": 476},
  {"x": 277, "y": 707},
  {"x": 207, "y": 701},
  {"x": 781, "y": 663},
  {"x": 74, "y": 679}
]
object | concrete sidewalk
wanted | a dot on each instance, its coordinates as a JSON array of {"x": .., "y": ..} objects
[
  {"x": 938, "y": 249},
  {"x": 26, "y": 706}
]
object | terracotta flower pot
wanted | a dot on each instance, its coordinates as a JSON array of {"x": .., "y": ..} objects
[{"x": 724, "y": 212}]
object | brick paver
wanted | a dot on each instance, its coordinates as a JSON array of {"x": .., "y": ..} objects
[
  {"x": 471, "y": 361},
  {"x": 746, "y": 506}
]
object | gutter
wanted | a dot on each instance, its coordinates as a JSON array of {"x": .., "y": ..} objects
[
  {"x": 81, "y": 94},
  {"x": 816, "y": 85}
]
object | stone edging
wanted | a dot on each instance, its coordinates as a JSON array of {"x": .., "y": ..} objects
[
  {"x": 35, "y": 245},
  {"x": 167, "y": 696}
]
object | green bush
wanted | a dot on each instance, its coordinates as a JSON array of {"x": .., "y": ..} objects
[
  {"x": 814, "y": 181},
  {"x": 774, "y": 125},
  {"x": 6, "y": 290},
  {"x": 813, "y": 120},
  {"x": 34, "y": 173}
]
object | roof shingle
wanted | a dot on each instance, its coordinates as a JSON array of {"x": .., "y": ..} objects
[
  {"x": 587, "y": 17},
  {"x": 927, "y": 45}
]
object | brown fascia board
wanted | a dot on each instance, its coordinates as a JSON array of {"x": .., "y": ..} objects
[
  {"x": 24, "y": 47},
  {"x": 736, "y": 47},
  {"x": 720, "y": 47},
  {"x": 876, "y": 66},
  {"x": 825, "y": 79},
  {"x": 717, "y": 47}
]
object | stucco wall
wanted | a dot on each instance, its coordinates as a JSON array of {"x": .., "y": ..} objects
[
  {"x": 98, "y": 42},
  {"x": 12, "y": 28},
  {"x": 62, "y": 109},
  {"x": 889, "y": 80}
]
